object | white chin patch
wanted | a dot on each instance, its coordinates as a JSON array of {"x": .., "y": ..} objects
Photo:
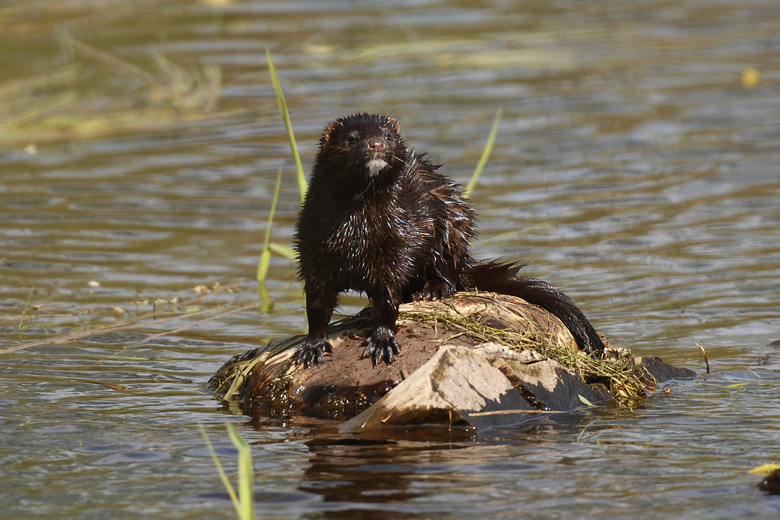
[{"x": 376, "y": 165}]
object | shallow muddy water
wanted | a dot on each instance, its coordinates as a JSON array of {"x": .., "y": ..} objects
[{"x": 636, "y": 166}]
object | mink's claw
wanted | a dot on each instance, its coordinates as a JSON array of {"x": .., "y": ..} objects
[
  {"x": 381, "y": 346},
  {"x": 311, "y": 351}
]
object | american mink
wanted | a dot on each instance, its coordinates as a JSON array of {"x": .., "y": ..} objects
[{"x": 380, "y": 219}]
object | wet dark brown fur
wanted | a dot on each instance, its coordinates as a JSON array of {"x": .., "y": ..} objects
[{"x": 381, "y": 220}]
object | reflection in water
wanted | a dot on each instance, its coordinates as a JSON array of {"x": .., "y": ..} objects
[
  {"x": 635, "y": 167},
  {"x": 371, "y": 474}
]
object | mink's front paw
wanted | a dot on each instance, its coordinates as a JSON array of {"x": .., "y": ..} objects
[
  {"x": 381, "y": 346},
  {"x": 311, "y": 351}
]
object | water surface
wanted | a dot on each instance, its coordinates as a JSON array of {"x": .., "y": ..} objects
[{"x": 634, "y": 167}]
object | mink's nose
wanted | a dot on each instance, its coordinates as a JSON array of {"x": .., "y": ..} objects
[{"x": 377, "y": 144}]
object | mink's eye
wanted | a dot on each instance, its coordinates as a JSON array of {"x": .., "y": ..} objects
[{"x": 353, "y": 138}]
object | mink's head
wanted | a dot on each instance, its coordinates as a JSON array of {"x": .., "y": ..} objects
[{"x": 362, "y": 146}]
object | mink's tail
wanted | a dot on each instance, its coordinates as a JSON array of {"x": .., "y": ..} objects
[{"x": 503, "y": 278}]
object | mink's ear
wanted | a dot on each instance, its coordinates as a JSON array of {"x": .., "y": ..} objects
[
  {"x": 396, "y": 125},
  {"x": 329, "y": 132}
]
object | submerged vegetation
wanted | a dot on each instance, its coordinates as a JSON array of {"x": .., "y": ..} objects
[
  {"x": 211, "y": 302},
  {"x": 59, "y": 103}
]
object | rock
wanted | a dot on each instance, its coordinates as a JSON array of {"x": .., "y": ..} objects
[
  {"x": 461, "y": 387},
  {"x": 470, "y": 362}
]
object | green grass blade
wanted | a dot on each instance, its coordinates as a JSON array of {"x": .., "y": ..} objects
[
  {"x": 262, "y": 266},
  {"x": 290, "y": 135},
  {"x": 265, "y": 256},
  {"x": 765, "y": 469},
  {"x": 222, "y": 476},
  {"x": 245, "y": 474},
  {"x": 283, "y": 250},
  {"x": 485, "y": 155},
  {"x": 265, "y": 297}
]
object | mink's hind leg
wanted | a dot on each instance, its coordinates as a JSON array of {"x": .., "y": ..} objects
[
  {"x": 381, "y": 345},
  {"x": 434, "y": 289}
]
